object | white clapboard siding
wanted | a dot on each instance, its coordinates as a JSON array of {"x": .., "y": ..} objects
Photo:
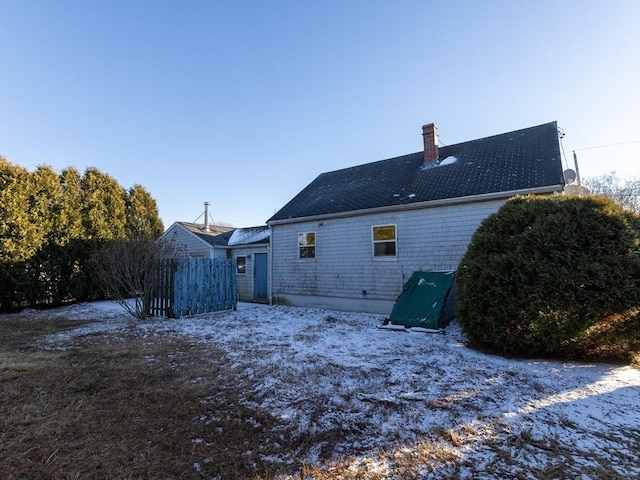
[
  {"x": 245, "y": 281},
  {"x": 186, "y": 244}
]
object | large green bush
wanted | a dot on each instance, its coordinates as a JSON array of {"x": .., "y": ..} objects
[{"x": 542, "y": 271}]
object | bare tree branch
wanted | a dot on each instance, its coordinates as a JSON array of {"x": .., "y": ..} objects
[
  {"x": 125, "y": 271},
  {"x": 625, "y": 193}
]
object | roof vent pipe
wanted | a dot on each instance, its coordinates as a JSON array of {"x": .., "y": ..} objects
[
  {"x": 206, "y": 216},
  {"x": 430, "y": 137}
]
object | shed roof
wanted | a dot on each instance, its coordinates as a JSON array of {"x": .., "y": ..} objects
[
  {"x": 519, "y": 160},
  {"x": 214, "y": 236},
  {"x": 219, "y": 236}
]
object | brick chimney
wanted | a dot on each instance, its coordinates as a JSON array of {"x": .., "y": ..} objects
[{"x": 430, "y": 136}]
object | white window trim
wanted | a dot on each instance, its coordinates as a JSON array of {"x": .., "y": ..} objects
[
  {"x": 315, "y": 237},
  {"x": 384, "y": 258}
]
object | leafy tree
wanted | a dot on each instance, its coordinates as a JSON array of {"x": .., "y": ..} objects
[
  {"x": 70, "y": 224},
  {"x": 624, "y": 193},
  {"x": 20, "y": 236},
  {"x": 14, "y": 230},
  {"x": 45, "y": 211},
  {"x": 104, "y": 206},
  {"x": 142, "y": 214},
  {"x": 45, "y": 200},
  {"x": 51, "y": 225},
  {"x": 66, "y": 253}
]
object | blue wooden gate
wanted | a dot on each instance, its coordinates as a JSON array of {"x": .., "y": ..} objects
[{"x": 195, "y": 285}]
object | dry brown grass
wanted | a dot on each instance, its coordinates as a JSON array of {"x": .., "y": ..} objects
[
  {"x": 613, "y": 339},
  {"x": 124, "y": 407},
  {"x": 506, "y": 455},
  {"x": 161, "y": 406},
  {"x": 415, "y": 461}
]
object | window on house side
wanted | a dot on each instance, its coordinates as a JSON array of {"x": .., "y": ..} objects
[
  {"x": 307, "y": 245},
  {"x": 241, "y": 265},
  {"x": 384, "y": 241}
]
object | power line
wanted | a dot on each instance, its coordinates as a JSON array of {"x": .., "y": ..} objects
[
  {"x": 624, "y": 176},
  {"x": 604, "y": 146}
]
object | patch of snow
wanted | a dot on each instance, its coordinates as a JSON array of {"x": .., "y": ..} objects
[
  {"x": 244, "y": 236},
  {"x": 450, "y": 160},
  {"x": 447, "y": 161},
  {"x": 383, "y": 389}
]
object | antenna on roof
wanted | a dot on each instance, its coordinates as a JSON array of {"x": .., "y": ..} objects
[
  {"x": 574, "y": 175},
  {"x": 207, "y": 216},
  {"x": 575, "y": 161}
]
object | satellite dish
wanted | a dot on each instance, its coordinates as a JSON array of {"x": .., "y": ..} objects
[{"x": 569, "y": 175}]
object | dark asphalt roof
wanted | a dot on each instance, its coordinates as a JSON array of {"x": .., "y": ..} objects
[
  {"x": 219, "y": 236},
  {"x": 216, "y": 235},
  {"x": 518, "y": 160}
]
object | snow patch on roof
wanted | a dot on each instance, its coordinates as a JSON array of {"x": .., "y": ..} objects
[
  {"x": 245, "y": 236},
  {"x": 447, "y": 161},
  {"x": 450, "y": 160}
]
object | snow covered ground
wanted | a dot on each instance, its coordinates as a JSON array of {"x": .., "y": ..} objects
[{"x": 397, "y": 392}]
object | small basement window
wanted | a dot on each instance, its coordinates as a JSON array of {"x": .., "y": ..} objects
[
  {"x": 307, "y": 245},
  {"x": 241, "y": 265},
  {"x": 384, "y": 241}
]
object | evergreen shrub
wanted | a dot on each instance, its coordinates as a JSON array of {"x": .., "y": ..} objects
[
  {"x": 542, "y": 271},
  {"x": 52, "y": 224}
]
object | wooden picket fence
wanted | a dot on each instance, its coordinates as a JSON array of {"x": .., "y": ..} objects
[{"x": 191, "y": 286}]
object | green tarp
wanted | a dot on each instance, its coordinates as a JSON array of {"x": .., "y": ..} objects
[{"x": 422, "y": 300}]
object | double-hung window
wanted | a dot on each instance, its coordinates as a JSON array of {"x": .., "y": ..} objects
[
  {"x": 307, "y": 245},
  {"x": 384, "y": 241}
]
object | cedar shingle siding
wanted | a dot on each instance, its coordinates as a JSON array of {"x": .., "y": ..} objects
[
  {"x": 436, "y": 210},
  {"x": 430, "y": 240}
]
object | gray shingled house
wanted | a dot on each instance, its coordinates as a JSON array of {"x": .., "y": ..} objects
[
  {"x": 352, "y": 237},
  {"x": 249, "y": 246}
]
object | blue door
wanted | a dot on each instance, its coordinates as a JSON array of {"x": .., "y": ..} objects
[{"x": 260, "y": 267}]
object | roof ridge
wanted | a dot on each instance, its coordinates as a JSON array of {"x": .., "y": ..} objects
[
  {"x": 517, "y": 160},
  {"x": 420, "y": 152},
  {"x": 502, "y": 134}
]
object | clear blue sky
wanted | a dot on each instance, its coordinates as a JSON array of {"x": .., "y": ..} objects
[{"x": 243, "y": 103}]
